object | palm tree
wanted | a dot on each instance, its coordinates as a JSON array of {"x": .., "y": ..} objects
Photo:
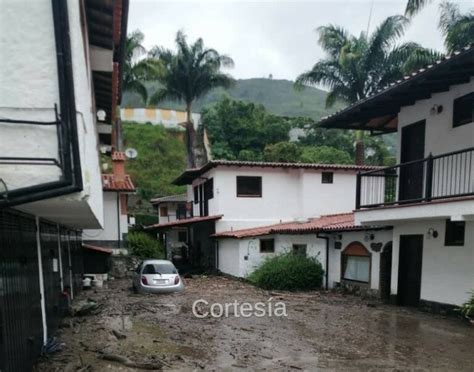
[
  {"x": 136, "y": 68},
  {"x": 188, "y": 74},
  {"x": 414, "y": 6},
  {"x": 457, "y": 28},
  {"x": 356, "y": 67}
]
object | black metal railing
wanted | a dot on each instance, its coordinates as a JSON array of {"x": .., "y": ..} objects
[{"x": 435, "y": 177}]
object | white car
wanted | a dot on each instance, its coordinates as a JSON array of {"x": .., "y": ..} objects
[{"x": 157, "y": 276}]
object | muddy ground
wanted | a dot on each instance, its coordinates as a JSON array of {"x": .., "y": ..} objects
[{"x": 325, "y": 331}]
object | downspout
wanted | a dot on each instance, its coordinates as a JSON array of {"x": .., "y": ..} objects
[
  {"x": 118, "y": 221},
  {"x": 326, "y": 238}
]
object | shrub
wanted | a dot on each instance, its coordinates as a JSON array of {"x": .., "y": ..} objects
[
  {"x": 144, "y": 245},
  {"x": 467, "y": 309},
  {"x": 288, "y": 272}
]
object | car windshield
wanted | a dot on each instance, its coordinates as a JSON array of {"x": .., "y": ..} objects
[{"x": 161, "y": 268}]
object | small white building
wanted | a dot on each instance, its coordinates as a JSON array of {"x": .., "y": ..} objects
[
  {"x": 428, "y": 197},
  {"x": 233, "y": 195},
  {"x": 350, "y": 255},
  {"x": 116, "y": 186},
  {"x": 170, "y": 209}
]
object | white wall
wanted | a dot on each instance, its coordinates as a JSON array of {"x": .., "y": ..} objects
[
  {"x": 233, "y": 252},
  {"x": 110, "y": 230},
  {"x": 156, "y": 116},
  {"x": 172, "y": 207},
  {"x": 380, "y": 236},
  {"x": 287, "y": 194},
  {"x": 441, "y": 137},
  {"x": 447, "y": 272},
  {"x": 29, "y": 82}
]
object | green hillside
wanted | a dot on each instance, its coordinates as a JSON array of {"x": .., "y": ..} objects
[
  {"x": 161, "y": 158},
  {"x": 278, "y": 96}
]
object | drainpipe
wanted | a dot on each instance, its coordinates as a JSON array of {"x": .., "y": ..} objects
[
  {"x": 325, "y": 237},
  {"x": 118, "y": 221},
  {"x": 41, "y": 281}
]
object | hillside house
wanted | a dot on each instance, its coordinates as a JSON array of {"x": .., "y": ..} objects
[
  {"x": 60, "y": 87},
  {"x": 233, "y": 195},
  {"x": 428, "y": 197}
]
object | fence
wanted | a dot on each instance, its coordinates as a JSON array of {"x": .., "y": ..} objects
[{"x": 21, "y": 326}]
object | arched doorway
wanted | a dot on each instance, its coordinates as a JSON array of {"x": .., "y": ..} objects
[{"x": 385, "y": 271}]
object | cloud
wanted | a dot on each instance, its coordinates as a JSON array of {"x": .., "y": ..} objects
[{"x": 270, "y": 37}]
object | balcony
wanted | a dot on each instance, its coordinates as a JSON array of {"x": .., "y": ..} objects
[{"x": 446, "y": 176}]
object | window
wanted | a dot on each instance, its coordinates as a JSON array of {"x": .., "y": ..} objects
[
  {"x": 455, "y": 232},
  {"x": 267, "y": 245},
  {"x": 327, "y": 177},
  {"x": 159, "y": 269},
  {"x": 163, "y": 211},
  {"x": 196, "y": 194},
  {"x": 249, "y": 186},
  {"x": 356, "y": 263},
  {"x": 299, "y": 249},
  {"x": 463, "y": 110},
  {"x": 181, "y": 211},
  {"x": 209, "y": 189},
  {"x": 182, "y": 236}
]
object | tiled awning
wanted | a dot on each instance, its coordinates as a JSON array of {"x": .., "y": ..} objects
[{"x": 184, "y": 222}]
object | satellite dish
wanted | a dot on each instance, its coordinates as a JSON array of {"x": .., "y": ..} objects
[{"x": 131, "y": 153}]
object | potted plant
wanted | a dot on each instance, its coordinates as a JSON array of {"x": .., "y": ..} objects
[{"x": 467, "y": 309}]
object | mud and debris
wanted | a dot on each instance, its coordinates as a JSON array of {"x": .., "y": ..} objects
[{"x": 323, "y": 330}]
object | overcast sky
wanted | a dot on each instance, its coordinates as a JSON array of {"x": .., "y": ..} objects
[{"x": 272, "y": 37}]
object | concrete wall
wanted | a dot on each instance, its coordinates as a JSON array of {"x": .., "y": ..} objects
[
  {"x": 29, "y": 75},
  {"x": 287, "y": 194},
  {"x": 380, "y": 236},
  {"x": 156, "y": 116},
  {"x": 110, "y": 232},
  {"x": 441, "y": 137},
  {"x": 240, "y": 257},
  {"x": 447, "y": 272}
]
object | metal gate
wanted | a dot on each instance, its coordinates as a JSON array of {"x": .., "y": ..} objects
[{"x": 21, "y": 328}]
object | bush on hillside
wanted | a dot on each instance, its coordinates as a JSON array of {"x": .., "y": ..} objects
[
  {"x": 143, "y": 245},
  {"x": 289, "y": 272}
]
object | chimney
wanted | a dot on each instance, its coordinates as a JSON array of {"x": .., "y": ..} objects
[{"x": 118, "y": 166}]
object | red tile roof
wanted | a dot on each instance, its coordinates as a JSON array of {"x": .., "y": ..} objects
[
  {"x": 109, "y": 183},
  {"x": 97, "y": 248},
  {"x": 190, "y": 174},
  {"x": 185, "y": 221},
  {"x": 328, "y": 223}
]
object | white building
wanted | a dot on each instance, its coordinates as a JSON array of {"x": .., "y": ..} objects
[
  {"x": 428, "y": 197},
  {"x": 234, "y": 195},
  {"x": 116, "y": 188},
  {"x": 60, "y": 70},
  {"x": 172, "y": 119}
]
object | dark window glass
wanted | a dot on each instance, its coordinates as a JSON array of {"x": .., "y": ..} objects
[
  {"x": 196, "y": 194},
  {"x": 163, "y": 211},
  {"x": 249, "y": 186},
  {"x": 267, "y": 245},
  {"x": 455, "y": 232},
  {"x": 209, "y": 189},
  {"x": 463, "y": 110},
  {"x": 182, "y": 236},
  {"x": 299, "y": 249},
  {"x": 327, "y": 177},
  {"x": 181, "y": 211},
  {"x": 159, "y": 269}
]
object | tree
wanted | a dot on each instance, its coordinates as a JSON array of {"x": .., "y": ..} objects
[
  {"x": 457, "y": 28},
  {"x": 136, "y": 68},
  {"x": 325, "y": 155},
  {"x": 283, "y": 152},
  {"x": 356, "y": 67},
  {"x": 414, "y": 6},
  {"x": 188, "y": 74},
  {"x": 241, "y": 130}
]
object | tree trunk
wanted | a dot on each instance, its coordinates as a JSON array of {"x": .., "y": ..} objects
[
  {"x": 359, "y": 148},
  {"x": 190, "y": 137}
]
